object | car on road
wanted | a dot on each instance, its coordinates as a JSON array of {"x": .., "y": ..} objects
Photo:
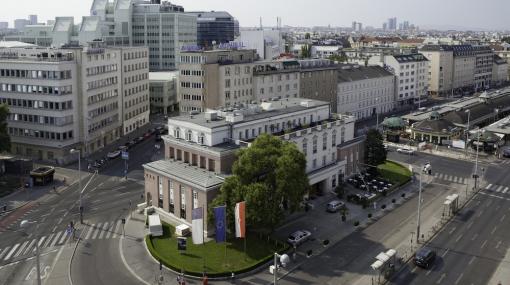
[
  {"x": 122, "y": 148},
  {"x": 424, "y": 257},
  {"x": 298, "y": 237},
  {"x": 334, "y": 206},
  {"x": 405, "y": 150},
  {"x": 139, "y": 139},
  {"x": 506, "y": 152},
  {"x": 113, "y": 154}
]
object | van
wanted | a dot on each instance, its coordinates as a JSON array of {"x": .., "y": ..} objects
[
  {"x": 334, "y": 206},
  {"x": 155, "y": 227}
]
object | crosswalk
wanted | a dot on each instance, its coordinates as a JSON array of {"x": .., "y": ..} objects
[
  {"x": 97, "y": 231},
  {"x": 505, "y": 161},
  {"x": 497, "y": 189},
  {"x": 450, "y": 178}
]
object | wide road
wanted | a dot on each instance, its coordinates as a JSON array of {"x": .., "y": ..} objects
[{"x": 474, "y": 243}]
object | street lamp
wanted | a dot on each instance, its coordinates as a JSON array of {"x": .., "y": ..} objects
[
  {"x": 476, "y": 160},
  {"x": 284, "y": 260},
  {"x": 467, "y": 130},
  {"x": 23, "y": 225},
  {"x": 79, "y": 180},
  {"x": 418, "y": 222}
]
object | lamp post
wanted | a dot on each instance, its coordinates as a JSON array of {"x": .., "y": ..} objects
[
  {"x": 419, "y": 212},
  {"x": 79, "y": 181},
  {"x": 284, "y": 260},
  {"x": 24, "y": 224},
  {"x": 467, "y": 130},
  {"x": 496, "y": 113},
  {"x": 476, "y": 160}
]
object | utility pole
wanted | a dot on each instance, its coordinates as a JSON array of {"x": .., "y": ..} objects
[
  {"x": 467, "y": 130},
  {"x": 419, "y": 213}
]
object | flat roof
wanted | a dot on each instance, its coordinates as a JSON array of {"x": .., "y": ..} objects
[
  {"x": 163, "y": 75},
  {"x": 190, "y": 175}
]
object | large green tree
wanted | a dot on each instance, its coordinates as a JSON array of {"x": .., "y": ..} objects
[
  {"x": 375, "y": 153},
  {"x": 306, "y": 51},
  {"x": 5, "y": 140},
  {"x": 270, "y": 176},
  {"x": 338, "y": 57}
]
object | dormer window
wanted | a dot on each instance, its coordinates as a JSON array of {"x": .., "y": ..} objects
[
  {"x": 189, "y": 135},
  {"x": 201, "y": 139},
  {"x": 177, "y": 133}
]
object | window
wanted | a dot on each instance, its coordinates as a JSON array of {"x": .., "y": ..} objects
[
  {"x": 171, "y": 196},
  {"x": 314, "y": 163},
  {"x": 333, "y": 138},
  {"x": 314, "y": 147},
  {"x": 189, "y": 135},
  {"x": 324, "y": 141},
  {"x": 195, "y": 199},
  {"x": 183, "y": 202},
  {"x": 177, "y": 133},
  {"x": 323, "y": 160},
  {"x": 160, "y": 192},
  {"x": 201, "y": 138},
  {"x": 305, "y": 146},
  {"x": 342, "y": 135}
]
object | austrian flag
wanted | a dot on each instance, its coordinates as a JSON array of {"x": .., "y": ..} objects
[{"x": 240, "y": 219}]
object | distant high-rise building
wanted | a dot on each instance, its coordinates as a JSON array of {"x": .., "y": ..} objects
[
  {"x": 385, "y": 26},
  {"x": 359, "y": 27},
  {"x": 32, "y": 19},
  {"x": 217, "y": 27},
  {"x": 392, "y": 23},
  {"x": 4, "y": 25},
  {"x": 406, "y": 25},
  {"x": 354, "y": 25},
  {"x": 19, "y": 24}
]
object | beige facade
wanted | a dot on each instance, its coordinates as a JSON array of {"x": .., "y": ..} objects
[
  {"x": 163, "y": 91},
  {"x": 440, "y": 73},
  {"x": 464, "y": 67},
  {"x": 499, "y": 71}
]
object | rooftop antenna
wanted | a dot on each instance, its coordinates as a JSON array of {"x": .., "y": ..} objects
[{"x": 261, "y": 23}]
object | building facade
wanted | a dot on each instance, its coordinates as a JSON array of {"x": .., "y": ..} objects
[
  {"x": 318, "y": 81},
  {"x": 214, "y": 27},
  {"x": 275, "y": 80},
  {"x": 411, "y": 71},
  {"x": 499, "y": 71},
  {"x": 200, "y": 150},
  {"x": 163, "y": 91},
  {"x": 365, "y": 92},
  {"x": 440, "y": 72},
  {"x": 268, "y": 43}
]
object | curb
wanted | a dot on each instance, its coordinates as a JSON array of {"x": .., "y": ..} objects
[{"x": 72, "y": 257}]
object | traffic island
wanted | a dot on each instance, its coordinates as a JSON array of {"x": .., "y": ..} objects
[{"x": 216, "y": 259}]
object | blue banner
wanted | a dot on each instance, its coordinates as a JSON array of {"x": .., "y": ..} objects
[{"x": 220, "y": 218}]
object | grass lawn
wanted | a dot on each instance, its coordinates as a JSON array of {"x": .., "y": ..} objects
[
  {"x": 396, "y": 173},
  {"x": 258, "y": 251},
  {"x": 8, "y": 184}
]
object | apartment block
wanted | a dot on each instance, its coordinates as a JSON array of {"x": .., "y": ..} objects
[
  {"x": 483, "y": 66},
  {"x": 440, "y": 73},
  {"x": 163, "y": 91},
  {"x": 61, "y": 99},
  {"x": 214, "y": 78},
  {"x": 499, "y": 71},
  {"x": 274, "y": 80},
  {"x": 411, "y": 71},
  {"x": 200, "y": 151},
  {"x": 318, "y": 81},
  {"x": 365, "y": 92}
]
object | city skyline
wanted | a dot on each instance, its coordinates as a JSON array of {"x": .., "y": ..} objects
[{"x": 453, "y": 14}]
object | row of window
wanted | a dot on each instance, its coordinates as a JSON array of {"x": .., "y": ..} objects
[
  {"x": 91, "y": 71},
  {"x": 101, "y": 57},
  {"x": 135, "y": 54},
  {"x": 136, "y": 66},
  {"x": 103, "y": 96},
  {"x": 36, "y": 104},
  {"x": 35, "y": 74},
  {"x": 192, "y": 59},
  {"x": 136, "y": 78},
  {"x": 53, "y": 121},
  {"x": 237, "y": 70},
  {"x": 20, "y": 132},
  {"x": 36, "y": 89},
  {"x": 171, "y": 198},
  {"x": 238, "y": 82},
  {"x": 136, "y": 112},
  {"x": 239, "y": 93},
  {"x": 371, "y": 83},
  {"x": 101, "y": 83},
  {"x": 103, "y": 123},
  {"x": 191, "y": 97},
  {"x": 194, "y": 85},
  {"x": 136, "y": 101},
  {"x": 192, "y": 72},
  {"x": 135, "y": 90},
  {"x": 278, "y": 88},
  {"x": 104, "y": 109},
  {"x": 279, "y": 77}
]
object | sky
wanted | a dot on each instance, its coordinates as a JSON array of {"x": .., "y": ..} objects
[{"x": 487, "y": 14}]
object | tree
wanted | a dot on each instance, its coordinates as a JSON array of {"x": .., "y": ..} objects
[
  {"x": 270, "y": 176},
  {"x": 306, "y": 52},
  {"x": 307, "y": 36},
  {"x": 375, "y": 153},
  {"x": 506, "y": 40},
  {"x": 338, "y": 57},
  {"x": 5, "y": 140}
]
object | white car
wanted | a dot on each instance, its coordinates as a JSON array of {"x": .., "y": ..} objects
[
  {"x": 298, "y": 237},
  {"x": 113, "y": 154},
  {"x": 405, "y": 150}
]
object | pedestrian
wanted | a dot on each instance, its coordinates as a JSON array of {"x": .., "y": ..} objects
[
  {"x": 205, "y": 281},
  {"x": 375, "y": 205},
  {"x": 233, "y": 278}
]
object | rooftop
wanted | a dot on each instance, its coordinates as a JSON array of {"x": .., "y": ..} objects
[
  {"x": 349, "y": 73},
  {"x": 403, "y": 58},
  {"x": 191, "y": 175}
]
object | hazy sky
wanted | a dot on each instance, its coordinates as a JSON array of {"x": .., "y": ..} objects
[{"x": 486, "y": 14}]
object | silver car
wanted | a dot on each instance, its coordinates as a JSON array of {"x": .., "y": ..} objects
[
  {"x": 405, "y": 150},
  {"x": 334, "y": 206},
  {"x": 298, "y": 237}
]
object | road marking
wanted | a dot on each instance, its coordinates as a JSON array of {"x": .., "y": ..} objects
[
  {"x": 483, "y": 244},
  {"x": 90, "y": 229},
  {"x": 493, "y": 230},
  {"x": 469, "y": 225},
  {"x": 62, "y": 239},
  {"x": 66, "y": 213},
  {"x": 458, "y": 279},
  {"x": 430, "y": 270},
  {"x": 458, "y": 238},
  {"x": 103, "y": 231},
  {"x": 474, "y": 236},
  {"x": 4, "y": 251},
  {"x": 48, "y": 241},
  {"x": 110, "y": 232},
  {"x": 452, "y": 230},
  {"x": 21, "y": 248},
  {"x": 441, "y": 278},
  {"x": 471, "y": 260},
  {"x": 97, "y": 230},
  {"x": 480, "y": 213},
  {"x": 499, "y": 189},
  {"x": 100, "y": 184},
  {"x": 414, "y": 270},
  {"x": 11, "y": 252},
  {"x": 505, "y": 190},
  {"x": 54, "y": 229},
  {"x": 27, "y": 250},
  {"x": 54, "y": 242},
  {"x": 41, "y": 241},
  {"x": 60, "y": 221},
  {"x": 498, "y": 244},
  {"x": 445, "y": 252},
  {"x": 502, "y": 217},
  {"x": 115, "y": 229},
  {"x": 488, "y": 187}
]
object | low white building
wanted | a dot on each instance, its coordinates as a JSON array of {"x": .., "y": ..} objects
[
  {"x": 365, "y": 92},
  {"x": 325, "y": 51},
  {"x": 269, "y": 43}
]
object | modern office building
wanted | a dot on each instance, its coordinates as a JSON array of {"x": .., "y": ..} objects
[
  {"x": 19, "y": 24},
  {"x": 411, "y": 71},
  {"x": 499, "y": 71},
  {"x": 215, "y": 27},
  {"x": 268, "y": 43},
  {"x": 200, "y": 151},
  {"x": 364, "y": 92},
  {"x": 318, "y": 81},
  {"x": 440, "y": 73},
  {"x": 61, "y": 99},
  {"x": 163, "y": 91},
  {"x": 32, "y": 19},
  {"x": 210, "y": 79}
]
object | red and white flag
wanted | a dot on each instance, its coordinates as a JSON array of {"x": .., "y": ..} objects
[{"x": 240, "y": 220}]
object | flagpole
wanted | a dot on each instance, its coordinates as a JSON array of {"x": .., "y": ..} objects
[
  {"x": 226, "y": 235},
  {"x": 203, "y": 239}
]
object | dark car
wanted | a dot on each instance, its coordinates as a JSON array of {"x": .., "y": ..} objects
[
  {"x": 424, "y": 257},
  {"x": 506, "y": 152}
]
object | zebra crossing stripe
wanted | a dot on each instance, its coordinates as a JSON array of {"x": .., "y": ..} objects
[
  {"x": 499, "y": 189},
  {"x": 104, "y": 230},
  {"x": 21, "y": 249},
  {"x": 505, "y": 190},
  {"x": 488, "y": 187},
  {"x": 97, "y": 230},
  {"x": 27, "y": 250},
  {"x": 110, "y": 232},
  {"x": 90, "y": 229},
  {"x": 4, "y": 252},
  {"x": 41, "y": 241},
  {"x": 115, "y": 229},
  {"x": 63, "y": 238},
  {"x": 48, "y": 241},
  {"x": 55, "y": 240},
  {"x": 12, "y": 251},
  {"x": 462, "y": 180}
]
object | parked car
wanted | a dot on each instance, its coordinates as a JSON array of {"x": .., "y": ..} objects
[
  {"x": 405, "y": 150},
  {"x": 139, "y": 139},
  {"x": 122, "y": 148},
  {"x": 113, "y": 154},
  {"x": 334, "y": 206},
  {"x": 506, "y": 152},
  {"x": 424, "y": 257},
  {"x": 298, "y": 237}
]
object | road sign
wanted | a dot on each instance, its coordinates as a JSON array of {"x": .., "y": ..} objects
[
  {"x": 125, "y": 155},
  {"x": 181, "y": 243}
]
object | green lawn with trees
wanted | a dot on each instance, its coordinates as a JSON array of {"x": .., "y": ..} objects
[
  {"x": 395, "y": 172},
  {"x": 217, "y": 261}
]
